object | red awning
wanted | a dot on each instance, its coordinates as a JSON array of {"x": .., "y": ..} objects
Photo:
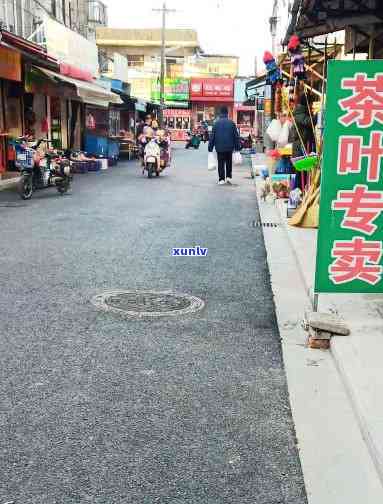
[{"x": 26, "y": 46}]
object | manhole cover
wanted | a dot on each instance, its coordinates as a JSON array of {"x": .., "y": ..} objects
[{"x": 151, "y": 304}]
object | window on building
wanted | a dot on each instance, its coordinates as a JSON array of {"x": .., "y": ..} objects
[
  {"x": 53, "y": 8},
  {"x": 246, "y": 118},
  {"x": 104, "y": 61},
  {"x": 114, "y": 122},
  {"x": 135, "y": 60},
  {"x": 97, "y": 12},
  {"x": 70, "y": 15},
  {"x": 170, "y": 62}
]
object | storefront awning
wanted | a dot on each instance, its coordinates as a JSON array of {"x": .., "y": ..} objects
[
  {"x": 141, "y": 105},
  {"x": 174, "y": 104},
  {"x": 255, "y": 87},
  {"x": 86, "y": 91},
  {"x": 311, "y": 18}
]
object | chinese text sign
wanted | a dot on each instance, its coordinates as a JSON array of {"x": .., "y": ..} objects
[{"x": 350, "y": 239}]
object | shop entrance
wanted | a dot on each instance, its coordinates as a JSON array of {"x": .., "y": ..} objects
[{"x": 55, "y": 113}]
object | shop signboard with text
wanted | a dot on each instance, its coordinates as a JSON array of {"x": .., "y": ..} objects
[
  {"x": 212, "y": 90},
  {"x": 240, "y": 90},
  {"x": 350, "y": 240},
  {"x": 176, "y": 90},
  {"x": 177, "y": 121},
  {"x": 141, "y": 88},
  {"x": 70, "y": 48}
]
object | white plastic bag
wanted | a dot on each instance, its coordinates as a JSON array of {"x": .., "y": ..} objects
[
  {"x": 274, "y": 130},
  {"x": 283, "y": 138},
  {"x": 237, "y": 158},
  {"x": 211, "y": 161}
]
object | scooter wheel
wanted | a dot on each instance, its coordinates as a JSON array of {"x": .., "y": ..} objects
[
  {"x": 25, "y": 187},
  {"x": 63, "y": 187}
]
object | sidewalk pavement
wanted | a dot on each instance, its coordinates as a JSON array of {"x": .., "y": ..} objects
[
  {"x": 335, "y": 396},
  {"x": 8, "y": 183}
]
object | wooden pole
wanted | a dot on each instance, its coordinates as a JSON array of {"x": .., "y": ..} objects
[{"x": 371, "y": 45}]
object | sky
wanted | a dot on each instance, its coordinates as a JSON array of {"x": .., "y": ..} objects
[{"x": 237, "y": 27}]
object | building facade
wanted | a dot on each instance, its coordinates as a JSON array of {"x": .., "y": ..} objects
[
  {"x": 142, "y": 50},
  {"x": 49, "y": 76},
  {"x": 25, "y": 18},
  {"x": 208, "y": 95},
  {"x": 211, "y": 65}
]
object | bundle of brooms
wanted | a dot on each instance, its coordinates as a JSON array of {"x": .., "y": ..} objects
[{"x": 307, "y": 214}]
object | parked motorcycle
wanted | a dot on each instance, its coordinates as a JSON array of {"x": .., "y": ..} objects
[
  {"x": 36, "y": 172},
  {"x": 193, "y": 140}
]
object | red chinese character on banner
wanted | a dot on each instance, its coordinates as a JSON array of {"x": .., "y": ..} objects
[
  {"x": 365, "y": 105},
  {"x": 351, "y": 151},
  {"x": 356, "y": 260},
  {"x": 362, "y": 208}
]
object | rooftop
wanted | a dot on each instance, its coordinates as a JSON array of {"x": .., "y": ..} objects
[
  {"x": 218, "y": 56},
  {"x": 146, "y": 37},
  {"x": 310, "y": 18}
]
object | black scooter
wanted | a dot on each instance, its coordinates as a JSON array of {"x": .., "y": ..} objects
[{"x": 52, "y": 171}]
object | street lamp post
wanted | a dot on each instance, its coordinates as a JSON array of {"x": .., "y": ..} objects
[{"x": 164, "y": 12}]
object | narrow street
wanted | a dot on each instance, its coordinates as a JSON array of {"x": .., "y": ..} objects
[{"x": 108, "y": 410}]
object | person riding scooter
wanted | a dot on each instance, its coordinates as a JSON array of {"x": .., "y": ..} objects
[
  {"x": 193, "y": 140},
  {"x": 152, "y": 158},
  {"x": 145, "y": 137},
  {"x": 163, "y": 140}
]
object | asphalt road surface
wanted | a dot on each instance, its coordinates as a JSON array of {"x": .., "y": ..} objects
[{"x": 104, "y": 409}]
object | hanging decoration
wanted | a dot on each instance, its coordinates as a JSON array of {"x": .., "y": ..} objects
[
  {"x": 297, "y": 58},
  {"x": 273, "y": 72},
  {"x": 278, "y": 98}
]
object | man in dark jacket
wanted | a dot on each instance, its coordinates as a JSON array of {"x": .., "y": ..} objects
[
  {"x": 225, "y": 139},
  {"x": 302, "y": 122}
]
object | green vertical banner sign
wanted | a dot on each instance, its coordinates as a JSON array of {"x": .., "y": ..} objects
[{"x": 350, "y": 239}]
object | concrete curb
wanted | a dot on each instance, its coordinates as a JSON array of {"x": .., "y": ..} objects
[
  {"x": 9, "y": 183},
  {"x": 342, "y": 354},
  {"x": 351, "y": 441}
]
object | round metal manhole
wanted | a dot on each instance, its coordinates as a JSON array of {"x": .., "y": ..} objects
[{"x": 148, "y": 304}]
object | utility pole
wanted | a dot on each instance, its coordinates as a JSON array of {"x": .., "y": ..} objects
[
  {"x": 164, "y": 12},
  {"x": 273, "y": 26}
]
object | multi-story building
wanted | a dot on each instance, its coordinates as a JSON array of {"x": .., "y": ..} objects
[
  {"x": 184, "y": 57},
  {"x": 196, "y": 85},
  {"x": 49, "y": 71},
  {"x": 211, "y": 65},
  {"x": 25, "y": 18},
  {"x": 97, "y": 16},
  {"x": 142, "y": 49}
]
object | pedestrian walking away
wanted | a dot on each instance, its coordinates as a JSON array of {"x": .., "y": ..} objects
[{"x": 225, "y": 139}]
